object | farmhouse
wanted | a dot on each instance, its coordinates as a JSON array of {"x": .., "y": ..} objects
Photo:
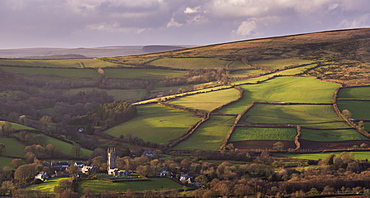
[
  {"x": 42, "y": 176},
  {"x": 60, "y": 166}
]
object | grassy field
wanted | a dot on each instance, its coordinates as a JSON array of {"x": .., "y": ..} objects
[
  {"x": 76, "y": 63},
  {"x": 210, "y": 135},
  {"x": 355, "y": 92},
  {"x": 66, "y": 148},
  {"x": 12, "y": 147},
  {"x": 207, "y": 101},
  {"x": 250, "y": 133},
  {"x": 156, "y": 123},
  {"x": 245, "y": 72},
  {"x": 284, "y": 89},
  {"x": 62, "y": 72},
  {"x": 17, "y": 126},
  {"x": 331, "y": 135},
  {"x": 303, "y": 115},
  {"x": 237, "y": 64},
  {"x": 280, "y": 63},
  {"x": 190, "y": 63},
  {"x": 47, "y": 186},
  {"x": 117, "y": 94},
  {"x": 5, "y": 161},
  {"x": 142, "y": 73},
  {"x": 361, "y": 155},
  {"x": 154, "y": 184},
  {"x": 359, "y": 109}
]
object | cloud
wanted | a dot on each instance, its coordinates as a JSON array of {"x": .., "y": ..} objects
[
  {"x": 246, "y": 28},
  {"x": 192, "y": 10},
  {"x": 173, "y": 23}
]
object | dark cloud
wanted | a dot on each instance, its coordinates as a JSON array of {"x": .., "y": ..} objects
[{"x": 76, "y": 23}]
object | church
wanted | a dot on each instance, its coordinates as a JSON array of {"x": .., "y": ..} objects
[{"x": 112, "y": 170}]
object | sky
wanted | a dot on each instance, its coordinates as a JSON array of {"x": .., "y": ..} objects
[{"x": 97, "y": 23}]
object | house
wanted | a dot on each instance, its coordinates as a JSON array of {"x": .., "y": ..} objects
[
  {"x": 118, "y": 173},
  {"x": 88, "y": 169},
  {"x": 42, "y": 176},
  {"x": 163, "y": 173},
  {"x": 149, "y": 153},
  {"x": 60, "y": 165},
  {"x": 79, "y": 164}
]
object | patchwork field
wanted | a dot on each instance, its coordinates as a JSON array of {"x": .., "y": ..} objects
[
  {"x": 12, "y": 147},
  {"x": 355, "y": 92},
  {"x": 245, "y": 72},
  {"x": 62, "y": 72},
  {"x": 76, "y": 63},
  {"x": 47, "y": 186},
  {"x": 210, "y": 135},
  {"x": 250, "y": 133},
  {"x": 322, "y": 116},
  {"x": 359, "y": 109},
  {"x": 190, "y": 63},
  {"x": 360, "y": 155},
  {"x": 142, "y": 73},
  {"x": 66, "y": 148},
  {"x": 154, "y": 184},
  {"x": 207, "y": 101},
  {"x": 280, "y": 63},
  {"x": 156, "y": 123},
  {"x": 284, "y": 89},
  {"x": 331, "y": 135}
]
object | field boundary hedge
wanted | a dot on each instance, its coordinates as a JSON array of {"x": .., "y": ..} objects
[
  {"x": 232, "y": 129},
  {"x": 296, "y": 138},
  {"x": 340, "y": 114}
]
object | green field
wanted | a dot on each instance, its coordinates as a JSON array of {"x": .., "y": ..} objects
[
  {"x": 250, "y": 133},
  {"x": 210, "y": 135},
  {"x": 359, "y": 109},
  {"x": 76, "y": 63},
  {"x": 303, "y": 115},
  {"x": 5, "y": 161},
  {"x": 156, "y": 123},
  {"x": 331, "y": 135},
  {"x": 65, "y": 147},
  {"x": 284, "y": 89},
  {"x": 190, "y": 63},
  {"x": 13, "y": 147},
  {"x": 355, "y": 92},
  {"x": 62, "y": 72},
  {"x": 47, "y": 186},
  {"x": 238, "y": 64},
  {"x": 245, "y": 72},
  {"x": 280, "y": 63},
  {"x": 117, "y": 94},
  {"x": 361, "y": 155},
  {"x": 17, "y": 126},
  {"x": 154, "y": 184},
  {"x": 207, "y": 101},
  {"x": 367, "y": 126},
  {"x": 142, "y": 73}
]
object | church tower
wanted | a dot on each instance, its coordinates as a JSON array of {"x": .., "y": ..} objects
[{"x": 111, "y": 158}]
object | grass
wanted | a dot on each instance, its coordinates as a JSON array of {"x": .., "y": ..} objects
[
  {"x": 210, "y": 135},
  {"x": 156, "y": 123},
  {"x": 117, "y": 94},
  {"x": 62, "y": 72},
  {"x": 250, "y": 133},
  {"x": 190, "y": 63},
  {"x": 285, "y": 89},
  {"x": 154, "y": 184},
  {"x": 76, "y": 63},
  {"x": 245, "y": 72},
  {"x": 238, "y": 64},
  {"x": 47, "y": 186},
  {"x": 355, "y": 92},
  {"x": 359, "y": 109},
  {"x": 207, "y": 101},
  {"x": 65, "y": 147},
  {"x": 303, "y": 115},
  {"x": 17, "y": 126},
  {"x": 5, "y": 161},
  {"x": 142, "y": 73},
  {"x": 361, "y": 155},
  {"x": 280, "y": 63},
  {"x": 13, "y": 147},
  {"x": 331, "y": 135}
]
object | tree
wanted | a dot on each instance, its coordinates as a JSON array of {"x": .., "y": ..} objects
[
  {"x": 25, "y": 172},
  {"x": 347, "y": 114},
  {"x": 2, "y": 148},
  {"x": 16, "y": 163},
  {"x": 278, "y": 146},
  {"x": 76, "y": 151},
  {"x": 6, "y": 128}
]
